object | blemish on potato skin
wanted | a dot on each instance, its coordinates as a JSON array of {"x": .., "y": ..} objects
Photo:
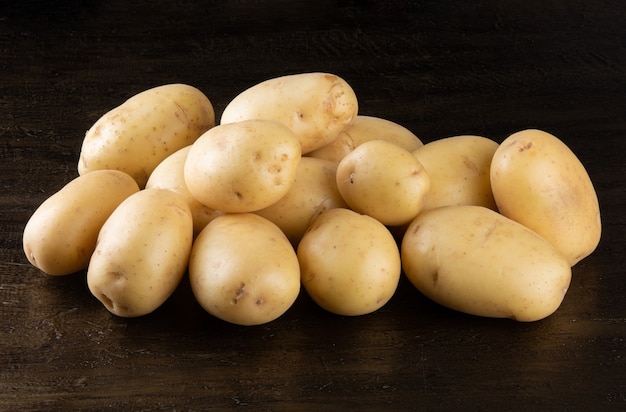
[{"x": 525, "y": 146}]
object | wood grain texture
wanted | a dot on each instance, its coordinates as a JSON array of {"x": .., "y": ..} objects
[{"x": 440, "y": 69}]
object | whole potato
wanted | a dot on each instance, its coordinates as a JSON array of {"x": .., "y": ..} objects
[
  {"x": 242, "y": 167},
  {"x": 169, "y": 174},
  {"x": 243, "y": 269},
  {"x": 61, "y": 235},
  {"x": 142, "y": 252},
  {"x": 313, "y": 191},
  {"x": 383, "y": 180},
  {"x": 315, "y": 106},
  {"x": 539, "y": 182},
  {"x": 137, "y": 135},
  {"x": 363, "y": 129},
  {"x": 474, "y": 260},
  {"x": 350, "y": 263},
  {"x": 458, "y": 168}
]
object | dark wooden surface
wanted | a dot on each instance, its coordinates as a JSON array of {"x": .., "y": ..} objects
[{"x": 439, "y": 68}]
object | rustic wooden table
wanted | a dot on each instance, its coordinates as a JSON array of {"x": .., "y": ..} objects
[{"x": 440, "y": 68}]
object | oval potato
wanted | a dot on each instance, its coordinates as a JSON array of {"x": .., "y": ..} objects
[
  {"x": 137, "y": 135},
  {"x": 142, "y": 252},
  {"x": 539, "y": 182},
  {"x": 61, "y": 235},
  {"x": 243, "y": 269},
  {"x": 315, "y": 106},
  {"x": 474, "y": 260}
]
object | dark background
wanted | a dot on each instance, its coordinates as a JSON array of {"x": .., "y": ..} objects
[{"x": 439, "y": 68}]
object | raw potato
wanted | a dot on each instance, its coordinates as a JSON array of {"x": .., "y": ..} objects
[
  {"x": 383, "y": 180},
  {"x": 243, "y": 269},
  {"x": 350, "y": 263},
  {"x": 364, "y": 129},
  {"x": 61, "y": 235},
  {"x": 242, "y": 167},
  {"x": 142, "y": 252},
  {"x": 474, "y": 260},
  {"x": 137, "y": 135},
  {"x": 458, "y": 168},
  {"x": 169, "y": 174},
  {"x": 315, "y": 106},
  {"x": 539, "y": 182},
  {"x": 313, "y": 192}
]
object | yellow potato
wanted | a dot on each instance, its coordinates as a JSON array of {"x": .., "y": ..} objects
[
  {"x": 458, "y": 168},
  {"x": 350, "y": 263},
  {"x": 142, "y": 252},
  {"x": 243, "y": 269},
  {"x": 169, "y": 174},
  {"x": 137, "y": 135},
  {"x": 383, "y": 180},
  {"x": 363, "y": 129},
  {"x": 539, "y": 182},
  {"x": 313, "y": 191},
  {"x": 242, "y": 167},
  {"x": 315, "y": 106},
  {"x": 474, "y": 260},
  {"x": 61, "y": 235}
]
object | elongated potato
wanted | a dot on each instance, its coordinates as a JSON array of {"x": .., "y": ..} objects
[
  {"x": 142, "y": 252},
  {"x": 61, "y": 235},
  {"x": 458, "y": 168},
  {"x": 137, "y": 135},
  {"x": 539, "y": 182},
  {"x": 169, "y": 174},
  {"x": 315, "y": 106},
  {"x": 363, "y": 129},
  {"x": 474, "y": 260}
]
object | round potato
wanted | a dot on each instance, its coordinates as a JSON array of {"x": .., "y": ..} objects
[
  {"x": 474, "y": 260},
  {"x": 459, "y": 169},
  {"x": 383, "y": 180},
  {"x": 61, "y": 235},
  {"x": 242, "y": 167},
  {"x": 243, "y": 269},
  {"x": 350, "y": 263},
  {"x": 137, "y": 135},
  {"x": 539, "y": 182},
  {"x": 142, "y": 252},
  {"x": 315, "y": 106},
  {"x": 363, "y": 129},
  {"x": 313, "y": 191},
  {"x": 169, "y": 174}
]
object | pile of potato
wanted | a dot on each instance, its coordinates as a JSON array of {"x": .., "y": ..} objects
[{"x": 293, "y": 188}]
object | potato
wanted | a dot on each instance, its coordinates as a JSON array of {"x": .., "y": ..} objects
[
  {"x": 137, "y": 135},
  {"x": 243, "y": 269},
  {"x": 539, "y": 182},
  {"x": 350, "y": 263},
  {"x": 61, "y": 235},
  {"x": 458, "y": 168},
  {"x": 363, "y": 129},
  {"x": 169, "y": 174},
  {"x": 315, "y": 106},
  {"x": 383, "y": 180},
  {"x": 313, "y": 191},
  {"x": 142, "y": 252},
  {"x": 244, "y": 166},
  {"x": 474, "y": 260}
]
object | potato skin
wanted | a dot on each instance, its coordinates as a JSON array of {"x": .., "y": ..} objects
[
  {"x": 350, "y": 263},
  {"x": 242, "y": 167},
  {"x": 315, "y": 106},
  {"x": 142, "y": 252},
  {"x": 539, "y": 182},
  {"x": 243, "y": 269},
  {"x": 474, "y": 260},
  {"x": 137, "y": 135},
  {"x": 61, "y": 235}
]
